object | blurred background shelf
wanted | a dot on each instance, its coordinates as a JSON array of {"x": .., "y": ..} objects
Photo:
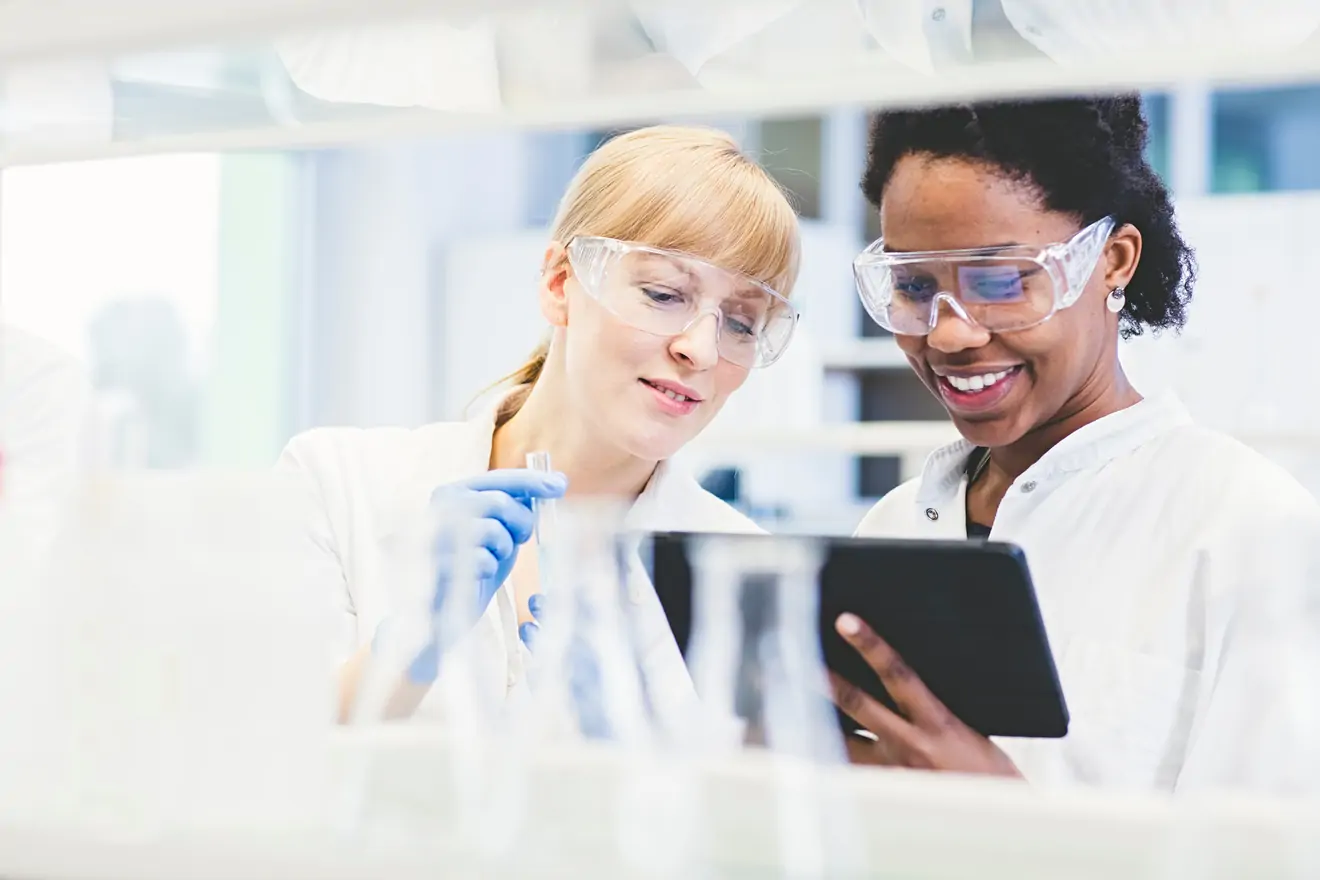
[{"x": 85, "y": 79}]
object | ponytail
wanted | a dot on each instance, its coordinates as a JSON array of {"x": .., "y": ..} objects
[{"x": 522, "y": 380}]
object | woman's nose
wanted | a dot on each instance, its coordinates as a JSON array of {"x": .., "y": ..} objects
[
  {"x": 699, "y": 343},
  {"x": 954, "y": 330}
]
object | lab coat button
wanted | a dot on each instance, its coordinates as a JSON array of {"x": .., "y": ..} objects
[
  {"x": 932, "y": 514},
  {"x": 938, "y": 14},
  {"x": 1029, "y": 486}
]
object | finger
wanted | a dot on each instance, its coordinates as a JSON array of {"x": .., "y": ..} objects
[
  {"x": 473, "y": 562},
  {"x": 464, "y": 536},
  {"x": 908, "y": 691},
  {"x": 516, "y": 517},
  {"x": 888, "y": 726},
  {"x": 870, "y": 752},
  {"x": 528, "y": 632},
  {"x": 535, "y": 604},
  {"x": 494, "y": 536},
  {"x": 476, "y": 564},
  {"x": 520, "y": 482}
]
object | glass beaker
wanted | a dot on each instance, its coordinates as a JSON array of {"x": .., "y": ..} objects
[
  {"x": 591, "y": 690},
  {"x": 756, "y": 656}
]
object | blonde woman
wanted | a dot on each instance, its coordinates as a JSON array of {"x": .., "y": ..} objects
[{"x": 665, "y": 282}]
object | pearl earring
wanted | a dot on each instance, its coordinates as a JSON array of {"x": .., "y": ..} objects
[{"x": 1116, "y": 300}]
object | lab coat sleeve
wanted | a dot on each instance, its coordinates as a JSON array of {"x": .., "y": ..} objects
[
  {"x": 1259, "y": 729},
  {"x": 301, "y": 462}
]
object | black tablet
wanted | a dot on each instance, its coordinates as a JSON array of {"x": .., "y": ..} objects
[{"x": 962, "y": 614}]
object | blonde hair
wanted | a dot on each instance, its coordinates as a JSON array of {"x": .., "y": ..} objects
[{"x": 685, "y": 188}]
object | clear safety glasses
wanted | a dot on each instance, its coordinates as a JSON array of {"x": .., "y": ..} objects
[
  {"x": 666, "y": 292},
  {"x": 998, "y": 288}
]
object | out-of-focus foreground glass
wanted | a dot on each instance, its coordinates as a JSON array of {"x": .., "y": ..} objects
[
  {"x": 322, "y": 71},
  {"x": 167, "y": 673}
]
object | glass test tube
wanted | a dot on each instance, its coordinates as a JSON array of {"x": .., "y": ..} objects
[{"x": 544, "y": 509}]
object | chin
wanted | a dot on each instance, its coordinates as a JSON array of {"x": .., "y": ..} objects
[
  {"x": 655, "y": 448},
  {"x": 656, "y": 444},
  {"x": 989, "y": 433}
]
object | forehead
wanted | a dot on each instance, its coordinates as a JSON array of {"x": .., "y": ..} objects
[{"x": 951, "y": 204}]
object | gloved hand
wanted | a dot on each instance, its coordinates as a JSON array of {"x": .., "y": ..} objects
[
  {"x": 489, "y": 517},
  {"x": 529, "y": 630}
]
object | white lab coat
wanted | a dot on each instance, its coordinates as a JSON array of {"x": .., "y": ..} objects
[
  {"x": 371, "y": 484},
  {"x": 932, "y": 35},
  {"x": 1174, "y": 568}
]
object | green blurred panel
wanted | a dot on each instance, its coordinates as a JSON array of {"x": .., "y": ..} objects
[
  {"x": 247, "y": 410},
  {"x": 1158, "y": 149},
  {"x": 1267, "y": 140},
  {"x": 792, "y": 151}
]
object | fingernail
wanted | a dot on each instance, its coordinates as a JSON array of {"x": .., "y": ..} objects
[{"x": 848, "y": 625}]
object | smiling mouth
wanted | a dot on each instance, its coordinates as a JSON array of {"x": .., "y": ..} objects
[
  {"x": 977, "y": 393},
  {"x": 671, "y": 394},
  {"x": 973, "y": 384}
]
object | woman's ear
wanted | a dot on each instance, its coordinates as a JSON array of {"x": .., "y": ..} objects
[
  {"x": 555, "y": 272},
  {"x": 1122, "y": 254}
]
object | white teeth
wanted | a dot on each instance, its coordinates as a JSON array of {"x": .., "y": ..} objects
[
  {"x": 672, "y": 395},
  {"x": 975, "y": 383}
]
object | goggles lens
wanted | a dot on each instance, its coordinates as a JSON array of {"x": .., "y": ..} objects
[
  {"x": 666, "y": 292},
  {"x": 1001, "y": 289}
]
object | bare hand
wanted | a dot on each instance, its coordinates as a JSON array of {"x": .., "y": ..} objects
[{"x": 927, "y": 735}]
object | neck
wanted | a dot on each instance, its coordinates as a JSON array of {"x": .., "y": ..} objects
[
  {"x": 1095, "y": 401},
  {"x": 545, "y": 424}
]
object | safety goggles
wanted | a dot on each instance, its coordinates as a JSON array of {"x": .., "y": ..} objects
[
  {"x": 667, "y": 292},
  {"x": 998, "y": 288}
]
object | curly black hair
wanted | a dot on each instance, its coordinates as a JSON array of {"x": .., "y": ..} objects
[{"x": 1086, "y": 157}]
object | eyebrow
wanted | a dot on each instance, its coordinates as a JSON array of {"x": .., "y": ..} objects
[
  {"x": 749, "y": 292},
  {"x": 648, "y": 259}
]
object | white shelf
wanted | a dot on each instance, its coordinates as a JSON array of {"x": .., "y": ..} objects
[
  {"x": 856, "y": 438},
  {"x": 55, "y": 30},
  {"x": 906, "y": 439},
  {"x": 875, "y": 353},
  {"x": 889, "y": 824},
  {"x": 510, "y": 63}
]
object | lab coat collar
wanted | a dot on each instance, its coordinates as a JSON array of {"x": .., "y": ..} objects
[
  {"x": 1088, "y": 447},
  {"x": 925, "y": 35}
]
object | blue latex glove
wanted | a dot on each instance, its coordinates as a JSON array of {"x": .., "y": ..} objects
[
  {"x": 499, "y": 504},
  {"x": 584, "y": 679},
  {"x": 529, "y": 630}
]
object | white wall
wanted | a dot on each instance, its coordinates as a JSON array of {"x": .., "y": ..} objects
[
  {"x": 385, "y": 221},
  {"x": 489, "y": 319},
  {"x": 1247, "y": 361},
  {"x": 369, "y": 289}
]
